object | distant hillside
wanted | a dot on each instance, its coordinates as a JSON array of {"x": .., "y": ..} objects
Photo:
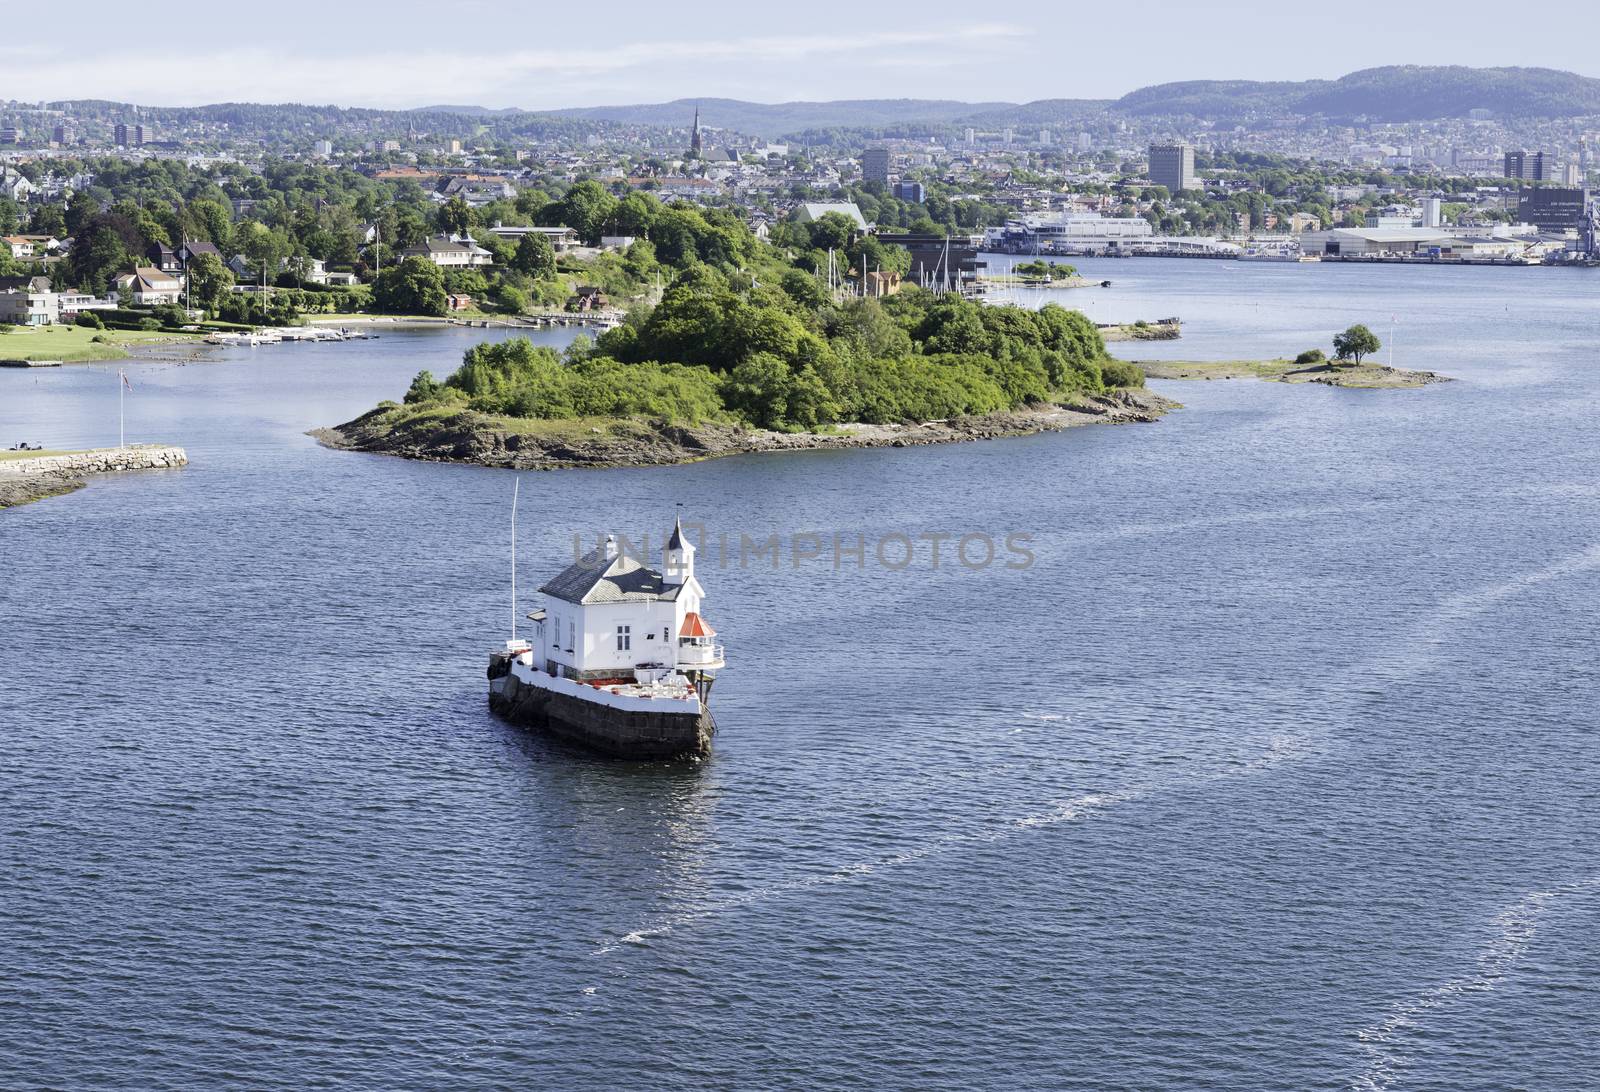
[
  {"x": 778, "y": 119},
  {"x": 1401, "y": 93},
  {"x": 1396, "y": 93}
]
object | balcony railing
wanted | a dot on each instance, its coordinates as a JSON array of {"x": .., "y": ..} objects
[{"x": 691, "y": 655}]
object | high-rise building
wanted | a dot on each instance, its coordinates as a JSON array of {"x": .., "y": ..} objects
[
  {"x": 129, "y": 136},
  {"x": 64, "y": 134},
  {"x": 1529, "y": 166},
  {"x": 10, "y": 135},
  {"x": 875, "y": 165},
  {"x": 1432, "y": 212},
  {"x": 1172, "y": 166},
  {"x": 1085, "y": 142}
]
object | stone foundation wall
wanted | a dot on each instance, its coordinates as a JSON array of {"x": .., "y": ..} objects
[
  {"x": 615, "y": 732},
  {"x": 110, "y": 460}
]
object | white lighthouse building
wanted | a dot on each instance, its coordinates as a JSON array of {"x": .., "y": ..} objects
[{"x": 609, "y": 616}]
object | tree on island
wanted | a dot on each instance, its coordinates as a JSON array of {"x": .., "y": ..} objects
[{"x": 1355, "y": 343}]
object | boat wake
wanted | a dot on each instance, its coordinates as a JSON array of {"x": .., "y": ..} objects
[
  {"x": 1426, "y": 642},
  {"x": 1514, "y": 931}
]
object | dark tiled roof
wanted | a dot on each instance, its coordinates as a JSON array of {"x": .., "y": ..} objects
[{"x": 596, "y": 578}]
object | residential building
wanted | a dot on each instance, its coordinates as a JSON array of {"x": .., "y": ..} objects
[
  {"x": 811, "y": 211},
  {"x": 451, "y": 252},
  {"x": 150, "y": 287},
  {"x": 10, "y": 134},
  {"x": 28, "y": 301},
  {"x": 130, "y": 136},
  {"x": 1172, "y": 166},
  {"x": 15, "y": 185},
  {"x": 561, "y": 239},
  {"x": 19, "y": 246},
  {"x": 192, "y": 249},
  {"x": 73, "y": 304}
]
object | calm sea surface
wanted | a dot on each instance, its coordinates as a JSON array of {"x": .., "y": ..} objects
[{"x": 1278, "y": 769}]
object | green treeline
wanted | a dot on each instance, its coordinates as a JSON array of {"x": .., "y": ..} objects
[{"x": 781, "y": 354}]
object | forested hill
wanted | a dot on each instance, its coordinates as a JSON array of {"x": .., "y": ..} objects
[
  {"x": 778, "y": 119},
  {"x": 1393, "y": 94},
  {"x": 1396, "y": 93}
]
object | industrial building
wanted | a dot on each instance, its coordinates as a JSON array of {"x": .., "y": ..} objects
[{"x": 1552, "y": 209}]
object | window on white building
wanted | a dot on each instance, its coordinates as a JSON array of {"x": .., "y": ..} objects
[
  {"x": 624, "y": 638},
  {"x": 572, "y": 635}
]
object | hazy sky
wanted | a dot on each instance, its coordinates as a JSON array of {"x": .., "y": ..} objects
[{"x": 410, "y": 53}]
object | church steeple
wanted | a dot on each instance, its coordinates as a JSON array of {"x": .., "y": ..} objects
[{"x": 694, "y": 136}]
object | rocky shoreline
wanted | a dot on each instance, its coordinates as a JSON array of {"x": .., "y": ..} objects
[
  {"x": 469, "y": 437},
  {"x": 19, "y": 489}
]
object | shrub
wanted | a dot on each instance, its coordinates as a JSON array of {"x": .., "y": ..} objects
[
  {"x": 1120, "y": 373},
  {"x": 91, "y": 320},
  {"x": 150, "y": 325},
  {"x": 1310, "y": 356}
]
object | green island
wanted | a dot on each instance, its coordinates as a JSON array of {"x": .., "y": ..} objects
[
  {"x": 752, "y": 352},
  {"x": 1346, "y": 369}
]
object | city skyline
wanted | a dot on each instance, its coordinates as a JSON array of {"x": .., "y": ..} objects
[{"x": 553, "y": 59}]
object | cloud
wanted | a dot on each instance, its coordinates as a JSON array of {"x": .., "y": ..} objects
[{"x": 774, "y": 68}]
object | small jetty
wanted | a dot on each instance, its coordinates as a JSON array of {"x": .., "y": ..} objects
[
  {"x": 621, "y": 660},
  {"x": 277, "y": 336},
  {"x": 29, "y": 472}
]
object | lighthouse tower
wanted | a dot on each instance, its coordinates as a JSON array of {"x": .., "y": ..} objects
[{"x": 677, "y": 559}]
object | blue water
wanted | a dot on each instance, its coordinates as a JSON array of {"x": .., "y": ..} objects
[{"x": 1276, "y": 770}]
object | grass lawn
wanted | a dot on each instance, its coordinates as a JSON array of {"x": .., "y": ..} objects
[
  {"x": 9, "y": 456},
  {"x": 73, "y": 344}
]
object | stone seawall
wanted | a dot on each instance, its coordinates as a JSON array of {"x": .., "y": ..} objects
[
  {"x": 23, "y": 481},
  {"x": 110, "y": 460},
  {"x": 616, "y": 732}
]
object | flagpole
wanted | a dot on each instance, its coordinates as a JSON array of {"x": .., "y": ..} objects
[
  {"x": 122, "y": 435},
  {"x": 516, "y": 488}
]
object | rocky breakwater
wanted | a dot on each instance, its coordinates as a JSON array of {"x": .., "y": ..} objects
[{"x": 25, "y": 478}]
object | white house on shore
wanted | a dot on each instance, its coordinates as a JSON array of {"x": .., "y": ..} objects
[
  {"x": 451, "y": 252},
  {"x": 149, "y": 287},
  {"x": 609, "y": 616}
]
